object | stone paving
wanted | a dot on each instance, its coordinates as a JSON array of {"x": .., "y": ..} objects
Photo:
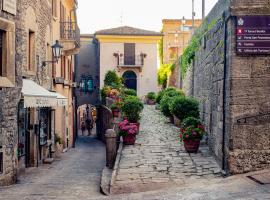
[
  {"x": 159, "y": 160},
  {"x": 76, "y": 176}
]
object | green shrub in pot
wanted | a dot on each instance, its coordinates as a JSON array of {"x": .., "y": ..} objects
[
  {"x": 164, "y": 105},
  {"x": 191, "y": 121},
  {"x": 132, "y": 108},
  {"x": 151, "y": 96},
  {"x": 183, "y": 107},
  {"x": 130, "y": 92}
]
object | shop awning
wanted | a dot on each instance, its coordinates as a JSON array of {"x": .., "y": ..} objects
[
  {"x": 61, "y": 100},
  {"x": 36, "y": 96}
]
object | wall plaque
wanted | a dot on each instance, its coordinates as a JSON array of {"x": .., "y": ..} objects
[
  {"x": 10, "y": 6},
  {"x": 253, "y": 35}
]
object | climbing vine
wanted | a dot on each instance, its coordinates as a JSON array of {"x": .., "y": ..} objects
[{"x": 190, "y": 51}]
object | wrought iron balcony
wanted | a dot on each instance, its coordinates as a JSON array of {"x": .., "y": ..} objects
[{"x": 70, "y": 32}]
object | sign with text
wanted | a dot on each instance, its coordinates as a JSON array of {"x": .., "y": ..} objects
[
  {"x": 10, "y": 6},
  {"x": 253, "y": 35}
]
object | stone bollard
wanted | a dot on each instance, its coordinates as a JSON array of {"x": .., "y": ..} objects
[{"x": 111, "y": 147}]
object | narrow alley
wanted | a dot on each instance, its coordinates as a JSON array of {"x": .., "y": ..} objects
[
  {"x": 75, "y": 176},
  {"x": 159, "y": 160}
]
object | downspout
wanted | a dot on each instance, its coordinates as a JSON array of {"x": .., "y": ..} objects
[{"x": 224, "y": 153}]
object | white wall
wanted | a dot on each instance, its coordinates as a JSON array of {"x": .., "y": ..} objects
[{"x": 146, "y": 79}]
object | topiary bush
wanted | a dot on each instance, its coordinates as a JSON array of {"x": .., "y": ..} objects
[
  {"x": 130, "y": 92},
  {"x": 191, "y": 121},
  {"x": 164, "y": 105},
  {"x": 183, "y": 107},
  {"x": 112, "y": 79},
  {"x": 151, "y": 96},
  {"x": 132, "y": 108},
  {"x": 170, "y": 91}
]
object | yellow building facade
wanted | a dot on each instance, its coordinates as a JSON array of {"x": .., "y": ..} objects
[
  {"x": 66, "y": 31},
  {"x": 176, "y": 35}
]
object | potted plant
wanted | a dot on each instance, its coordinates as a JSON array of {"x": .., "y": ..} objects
[
  {"x": 116, "y": 106},
  {"x": 191, "y": 134},
  {"x": 182, "y": 107},
  {"x": 151, "y": 98},
  {"x": 132, "y": 108},
  {"x": 128, "y": 132}
]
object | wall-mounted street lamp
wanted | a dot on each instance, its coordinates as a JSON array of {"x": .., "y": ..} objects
[{"x": 57, "y": 49}]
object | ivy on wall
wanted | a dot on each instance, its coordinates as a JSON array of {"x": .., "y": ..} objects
[{"x": 190, "y": 51}]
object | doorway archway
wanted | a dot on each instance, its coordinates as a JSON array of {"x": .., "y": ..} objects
[{"x": 130, "y": 80}]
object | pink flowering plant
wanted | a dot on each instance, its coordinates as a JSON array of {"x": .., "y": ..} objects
[
  {"x": 193, "y": 133},
  {"x": 127, "y": 128}
]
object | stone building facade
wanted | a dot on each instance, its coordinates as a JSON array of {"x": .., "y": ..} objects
[
  {"x": 27, "y": 117},
  {"x": 233, "y": 90}
]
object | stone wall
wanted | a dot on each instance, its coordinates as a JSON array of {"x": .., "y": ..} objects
[
  {"x": 204, "y": 79},
  {"x": 9, "y": 97},
  {"x": 233, "y": 90},
  {"x": 249, "y": 133}
]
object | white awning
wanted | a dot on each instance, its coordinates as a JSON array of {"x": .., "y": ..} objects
[
  {"x": 61, "y": 100},
  {"x": 37, "y": 96}
]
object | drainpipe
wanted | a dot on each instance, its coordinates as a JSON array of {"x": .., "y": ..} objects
[{"x": 224, "y": 153}]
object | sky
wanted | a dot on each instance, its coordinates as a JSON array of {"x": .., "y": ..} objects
[{"x": 146, "y": 14}]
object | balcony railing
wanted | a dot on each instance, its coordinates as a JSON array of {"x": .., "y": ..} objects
[
  {"x": 70, "y": 31},
  {"x": 131, "y": 61}
]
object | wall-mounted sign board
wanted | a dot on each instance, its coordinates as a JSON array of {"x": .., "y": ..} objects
[
  {"x": 253, "y": 35},
  {"x": 9, "y": 6}
]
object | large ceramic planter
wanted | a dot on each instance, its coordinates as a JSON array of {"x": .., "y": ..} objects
[
  {"x": 192, "y": 146},
  {"x": 129, "y": 139},
  {"x": 115, "y": 112},
  {"x": 177, "y": 122}
]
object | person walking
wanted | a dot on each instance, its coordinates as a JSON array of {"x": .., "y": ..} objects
[
  {"x": 89, "y": 126},
  {"x": 82, "y": 127}
]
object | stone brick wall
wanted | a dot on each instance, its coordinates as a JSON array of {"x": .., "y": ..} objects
[
  {"x": 9, "y": 97},
  {"x": 246, "y": 90},
  {"x": 204, "y": 79},
  {"x": 250, "y": 99}
]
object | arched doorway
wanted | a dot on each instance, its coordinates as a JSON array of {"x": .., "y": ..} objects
[
  {"x": 86, "y": 120},
  {"x": 130, "y": 80}
]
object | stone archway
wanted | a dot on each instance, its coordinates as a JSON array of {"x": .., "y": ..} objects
[{"x": 130, "y": 80}]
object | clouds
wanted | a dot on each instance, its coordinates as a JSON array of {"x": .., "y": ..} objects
[{"x": 147, "y": 14}]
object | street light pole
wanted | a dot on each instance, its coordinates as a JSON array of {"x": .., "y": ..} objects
[
  {"x": 193, "y": 16},
  {"x": 203, "y": 9}
]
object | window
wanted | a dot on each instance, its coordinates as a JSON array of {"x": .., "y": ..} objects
[
  {"x": 7, "y": 53},
  {"x": 31, "y": 51},
  {"x": 54, "y": 8},
  {"x": 129, "y": 54},
  {"x": 87, "y": 85}
]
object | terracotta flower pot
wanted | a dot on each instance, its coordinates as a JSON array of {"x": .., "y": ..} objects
[
  {"x": 129, "y": 139},
  {"x": 115, "y": 112},
  {"x": 192, "y": 146}
]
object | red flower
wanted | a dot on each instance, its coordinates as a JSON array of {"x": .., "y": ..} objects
[
  {"x": 187, "y": 136},
  {"x": 181, "y": 136}
]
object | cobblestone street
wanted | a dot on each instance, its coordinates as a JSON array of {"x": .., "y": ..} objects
[
  {"x": 159, "y": 160},
  {"x": 75, "y": 176}
]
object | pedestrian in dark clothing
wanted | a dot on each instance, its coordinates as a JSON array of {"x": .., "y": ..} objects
[
  {"x": 89, "y": 126},
  {"x": 83, "y": 127}
]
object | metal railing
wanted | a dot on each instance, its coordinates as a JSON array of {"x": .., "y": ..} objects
[
  {"x": 70, "y": 31},
  {"x": 136, "y": 60}
]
